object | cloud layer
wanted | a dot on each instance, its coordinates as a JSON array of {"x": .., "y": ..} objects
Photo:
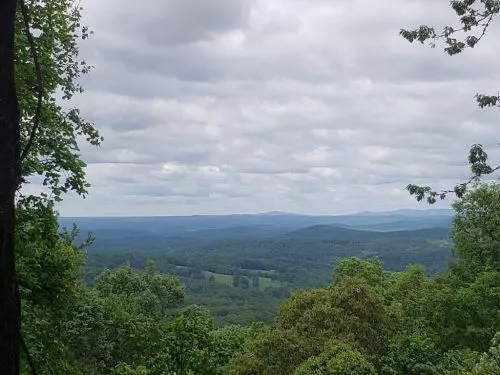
[{"x": 310, "y": 106}]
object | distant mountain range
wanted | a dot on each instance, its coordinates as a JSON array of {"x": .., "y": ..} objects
[{"x": 265, "y": 225}]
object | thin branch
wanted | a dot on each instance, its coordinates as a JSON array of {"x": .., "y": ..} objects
[
  {"x": 39, "y": 86},
  {"x": 464, "y": 28},
  {"x": 430, "y": 33},
  {"x": 422, "y": 192},
  {"x": 28, "y": 357},
  {"x": 470, "y": 181},
  {"x": 485, "y": 27}
]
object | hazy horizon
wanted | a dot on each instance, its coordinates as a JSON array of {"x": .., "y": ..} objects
[{"x": 434, "y": 209}]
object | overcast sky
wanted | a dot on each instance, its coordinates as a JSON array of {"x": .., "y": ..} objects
[{"x": 310, "y": 106}]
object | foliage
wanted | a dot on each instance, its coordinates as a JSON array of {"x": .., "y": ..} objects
[
  {"x": 152, "y": 292},
  {"x": 338, "y": 359},
  {"x": 371, "y": 270},
  {"x": 119, "y": 321},
  {"x": 476, "y": 230},
  {"x": 275, "y": 352},
  {"x": 49, "y": 266},
  {"x": 54, "y": 153},
  {"x": 411, "y": 355},
  {"x": 368, "y": 320},
  {"x": 489, "y": 363},
  {"x": 124, "y": 369}
]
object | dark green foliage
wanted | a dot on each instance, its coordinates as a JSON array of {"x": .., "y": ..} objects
[
  {"x": 411, "y": 355},
  {"x": 153, "y": 293},
  {"x": 236, "y": 281},
  {"x": 489, "y": 363},
  {"x": 112, "y": 330},
  {"x": 49, "y": 269}
]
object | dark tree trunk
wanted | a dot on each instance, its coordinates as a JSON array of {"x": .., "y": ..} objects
[{"x": 9, "y": 168}]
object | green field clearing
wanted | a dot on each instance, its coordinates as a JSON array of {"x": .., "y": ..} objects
[{"x": 264, "y": 282}]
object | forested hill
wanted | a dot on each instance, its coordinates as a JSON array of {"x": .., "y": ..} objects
[
  {"x": 264, "y": 225},
  {"x": 243, "y": 266}
]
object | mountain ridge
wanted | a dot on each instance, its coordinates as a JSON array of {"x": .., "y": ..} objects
[{"x": 266, "y": 225}]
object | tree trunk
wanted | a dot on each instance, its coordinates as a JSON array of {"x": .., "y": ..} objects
[{"x": 10, "y": 311}]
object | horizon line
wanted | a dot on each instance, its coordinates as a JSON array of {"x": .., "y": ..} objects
[{"x": 268, "y": 213}]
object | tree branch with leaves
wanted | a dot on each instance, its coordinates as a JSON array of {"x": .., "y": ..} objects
[{"x": 474, "y": 19}]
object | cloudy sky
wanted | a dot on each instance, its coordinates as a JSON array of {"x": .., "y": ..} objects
[{"x": 311, "y": 106}]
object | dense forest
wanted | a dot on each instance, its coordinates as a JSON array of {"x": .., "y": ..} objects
[
  {"x": 245, "y": 279},
  {"x": 324, "y": 299}
]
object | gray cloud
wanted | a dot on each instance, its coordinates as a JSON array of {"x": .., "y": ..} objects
[
  {"x": 169, "y": 22},
  {"x": 255, "y": 105}
]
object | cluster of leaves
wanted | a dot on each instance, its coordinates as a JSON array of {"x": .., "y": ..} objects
[{"x": 49, "y": 266}]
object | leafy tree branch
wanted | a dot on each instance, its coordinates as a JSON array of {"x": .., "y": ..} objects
[{"x": 474, "y": 17}]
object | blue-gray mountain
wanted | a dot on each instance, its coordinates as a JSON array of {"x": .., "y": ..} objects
[{"x": 260, "y": 225}]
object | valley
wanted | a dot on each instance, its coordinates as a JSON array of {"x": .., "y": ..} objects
[{"x": 241, "y": 267}]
